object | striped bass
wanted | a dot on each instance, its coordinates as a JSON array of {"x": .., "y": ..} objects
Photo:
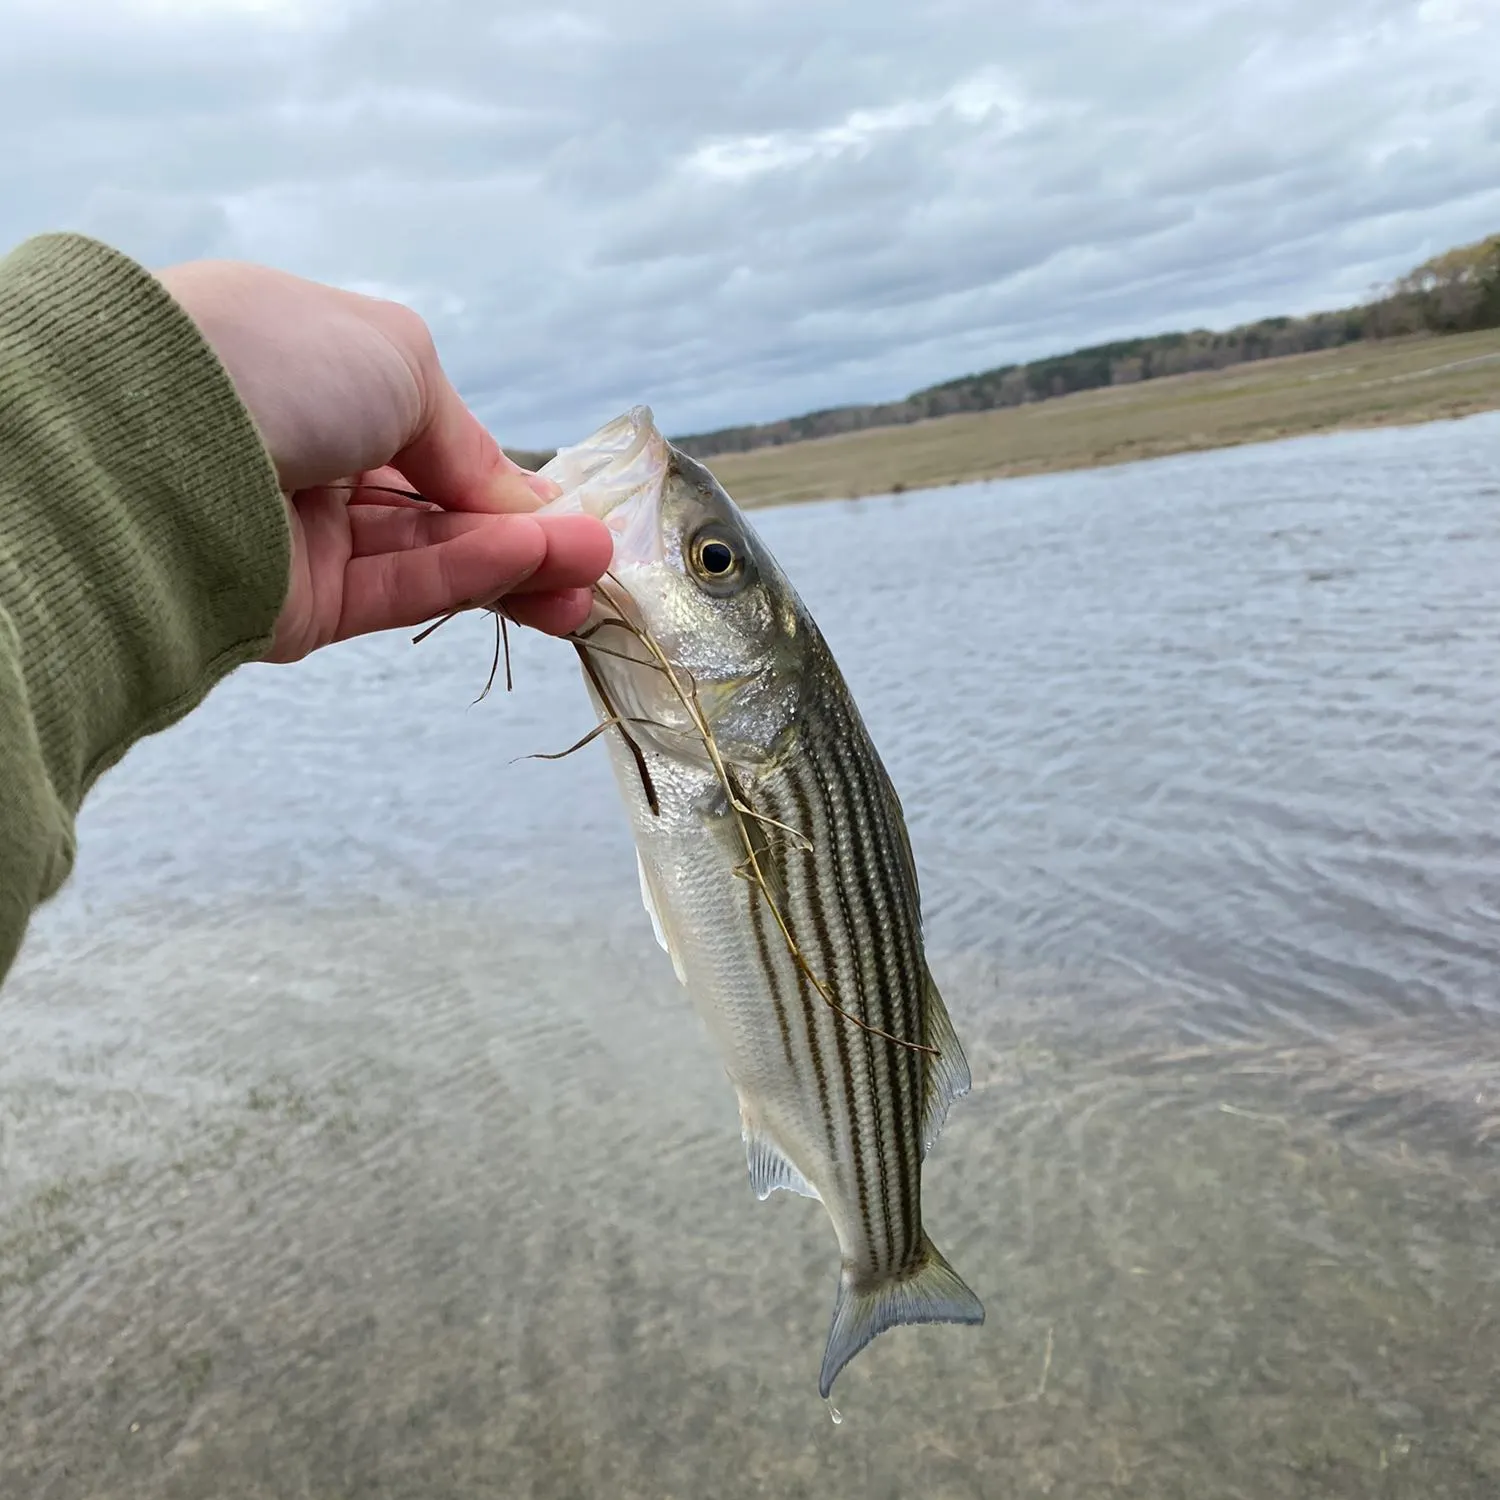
[{"x": 775, "y": 865}]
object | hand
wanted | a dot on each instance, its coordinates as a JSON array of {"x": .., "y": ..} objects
[{"x": 347, "y": 390}]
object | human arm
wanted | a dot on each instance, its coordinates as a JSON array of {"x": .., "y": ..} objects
[{"x": 147, "y": 548}]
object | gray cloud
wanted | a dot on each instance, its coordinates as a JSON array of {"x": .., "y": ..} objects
[{"x": 743, "y": 210}]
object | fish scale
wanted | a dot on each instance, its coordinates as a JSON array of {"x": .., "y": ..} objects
[{"x": 802, "y": 952}]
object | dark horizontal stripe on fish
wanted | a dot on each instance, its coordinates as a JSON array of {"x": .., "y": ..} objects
[
  {"x": 871, "y": 912},
  {"x": 905, "y": 966},
  {"x": 836, "y": 872},
  {"x": 902, "y": 930},
  {"x": 801, "y": 871},
  {"x": 758, "y": 919},
  {"x": 768, "y": 945},
  {"x": 865, "y": 875},
  {"x": 861, "y": 876}
]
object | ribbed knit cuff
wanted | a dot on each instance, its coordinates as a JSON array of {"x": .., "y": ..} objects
[{"x": 144, "y": 546}]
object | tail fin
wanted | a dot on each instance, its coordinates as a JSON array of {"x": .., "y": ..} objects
[{"x": 931, "y": 1293}]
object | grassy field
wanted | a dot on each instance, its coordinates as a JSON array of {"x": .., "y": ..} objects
[{"x": 1362, "y": 385}]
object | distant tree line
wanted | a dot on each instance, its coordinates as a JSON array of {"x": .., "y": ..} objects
[{"x": 1454, "y": 292}]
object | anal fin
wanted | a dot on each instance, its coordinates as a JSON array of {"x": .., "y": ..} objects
[{"x": 769, "y": 1167}]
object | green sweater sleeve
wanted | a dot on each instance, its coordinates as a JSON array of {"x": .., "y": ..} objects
[{"x": 144, "y": 547}]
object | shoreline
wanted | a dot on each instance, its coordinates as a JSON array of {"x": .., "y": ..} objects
[
  {"x": 1352, "y": 388},
  {"x": 1144, "y": 455}
]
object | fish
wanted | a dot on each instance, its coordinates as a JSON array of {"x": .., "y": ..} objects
[{"x": 775, "y": 866}]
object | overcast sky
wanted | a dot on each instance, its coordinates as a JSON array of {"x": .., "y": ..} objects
[{"x": 739, "y": 211}]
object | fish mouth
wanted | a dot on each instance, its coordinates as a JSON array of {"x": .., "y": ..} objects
[{"x": 617, "y": 475}]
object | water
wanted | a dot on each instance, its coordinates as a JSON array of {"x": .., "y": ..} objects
[{"x": 355, "y": 1140}]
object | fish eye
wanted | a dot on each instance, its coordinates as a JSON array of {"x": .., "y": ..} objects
[
  {"x": 715, "y": 558},
  {"x": 718, "y": 561}
]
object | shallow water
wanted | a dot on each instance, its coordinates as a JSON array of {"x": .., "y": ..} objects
[{"x": 355, "y": 1139}]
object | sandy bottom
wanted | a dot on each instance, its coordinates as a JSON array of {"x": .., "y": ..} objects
[{"x": 452, "y": 1203}]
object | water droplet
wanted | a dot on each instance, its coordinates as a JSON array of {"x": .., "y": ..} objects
[{"x": 836, "y": 1414}]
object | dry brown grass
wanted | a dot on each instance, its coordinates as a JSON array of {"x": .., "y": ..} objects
[{"x": 1363, "y": 385}]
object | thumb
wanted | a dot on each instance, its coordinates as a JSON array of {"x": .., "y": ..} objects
[{"x": 452, "y": 459}]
